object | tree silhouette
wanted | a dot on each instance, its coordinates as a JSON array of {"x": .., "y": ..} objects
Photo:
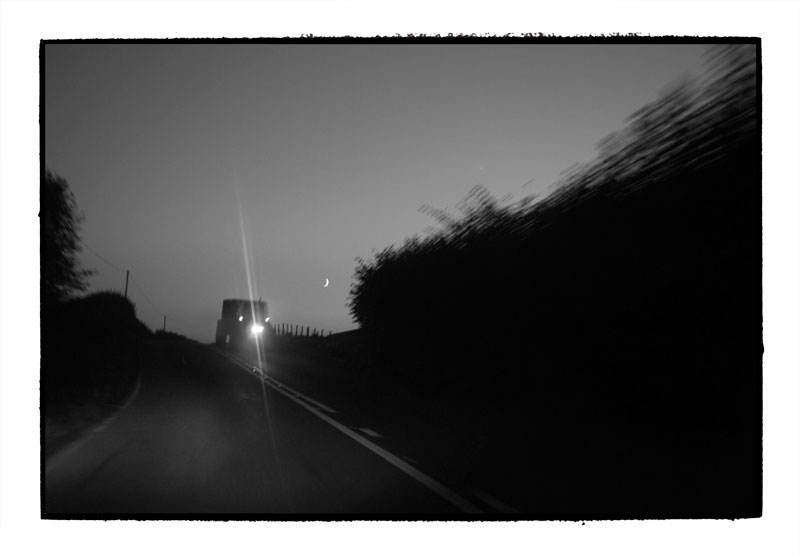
[{"x": 60, "y": 226}]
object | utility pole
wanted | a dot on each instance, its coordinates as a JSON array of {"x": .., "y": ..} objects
[
  {"x": 165, "y": 323},
  {"x": 127, "y": 274}
]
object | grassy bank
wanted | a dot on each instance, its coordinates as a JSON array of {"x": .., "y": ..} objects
[{"x": 89, "y": 363}]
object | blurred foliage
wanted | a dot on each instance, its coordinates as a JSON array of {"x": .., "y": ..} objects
[
  {"x": 61, "y": 275},
  {"x": 651, "y": 248},
  {"x": 85, "y": 340}
]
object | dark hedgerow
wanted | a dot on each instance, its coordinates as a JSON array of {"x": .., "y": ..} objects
[
  {"x": 648, "y": 254},
  {"x": 616, "y": 324}
]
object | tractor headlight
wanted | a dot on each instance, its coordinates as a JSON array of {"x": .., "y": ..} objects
[{"x": 257, "y": 329}]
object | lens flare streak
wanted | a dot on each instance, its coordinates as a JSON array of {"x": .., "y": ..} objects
[{"x": 261, "y": 364}]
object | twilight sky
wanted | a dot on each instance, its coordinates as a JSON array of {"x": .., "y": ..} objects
[{"x": 319, "y": 153}]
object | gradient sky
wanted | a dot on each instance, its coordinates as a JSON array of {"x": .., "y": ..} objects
[{"x": 327, "y": 152}]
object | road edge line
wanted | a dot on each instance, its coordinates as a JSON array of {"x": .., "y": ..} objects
[
  {"x": 279, "y": 384},
  {"x": 86, "y": 435},
  {"x": 446, "y": 493}
]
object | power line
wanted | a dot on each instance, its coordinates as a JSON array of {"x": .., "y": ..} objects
[
  {"x": 101, "y": 258},
  {"x": 136, "y": 284},
  {"x": 139, "y": 288},
  {"x": 180, "y": 320},
  {"x": 172, "y": 318}
]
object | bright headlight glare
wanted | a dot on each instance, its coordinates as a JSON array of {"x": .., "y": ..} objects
[{"x": 256, "y": 329}]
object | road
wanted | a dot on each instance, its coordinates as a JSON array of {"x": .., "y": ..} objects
[{"x": 205, "y": 434}]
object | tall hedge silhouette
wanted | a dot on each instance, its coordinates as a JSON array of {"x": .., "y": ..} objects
[{"x": 649, "y": 254}]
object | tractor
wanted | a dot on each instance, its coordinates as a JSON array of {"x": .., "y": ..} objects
[{"x": 242, "y": 321}]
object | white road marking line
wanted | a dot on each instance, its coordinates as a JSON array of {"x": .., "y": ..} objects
[
  {"x": 495, "y": 503},
  {"x": 308, "y": 399},
  {"x": 258, "y": 371},
  {"x": 371, "y": 433},
  {"x": 444, "y": 492}
]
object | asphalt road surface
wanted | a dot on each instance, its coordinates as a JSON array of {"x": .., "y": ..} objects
[{"x": 205, "y": 434}]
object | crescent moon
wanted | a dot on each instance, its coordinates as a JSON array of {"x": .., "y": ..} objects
[{"x": 327, "y": 282}]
